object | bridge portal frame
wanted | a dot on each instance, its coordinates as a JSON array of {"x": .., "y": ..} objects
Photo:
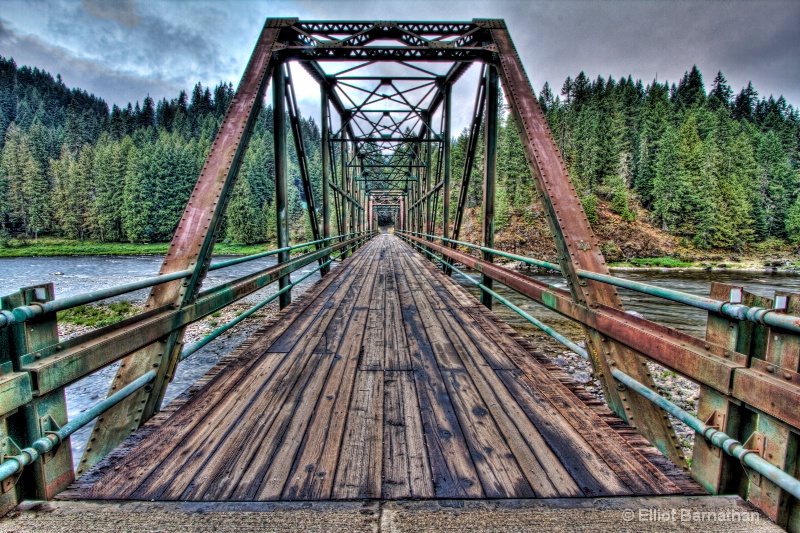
[{"x": 405, "y": 128}]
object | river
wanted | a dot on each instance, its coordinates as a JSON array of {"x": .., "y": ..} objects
[{"x": 74, "y": 275}]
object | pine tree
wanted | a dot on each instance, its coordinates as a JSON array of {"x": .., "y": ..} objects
[
  {"x": 243, "y": 215},
  {"x": 744, "y": 105},
  {"x": 138, "y": 197},
  {"x": 546, "y": 101},
  {"x": 793, "y": 223},
  {"x": 778, "y": 183},
  {"x": 721, "y": 92}
]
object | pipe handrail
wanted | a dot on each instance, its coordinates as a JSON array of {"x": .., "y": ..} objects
[
  {"x": 757, "y": 315},
  {"x": 715, "y": 437},
  {"x": 27, "y": 312},
  {"x": 194, "y": 347},
  {"x": 15, "y": 464}
]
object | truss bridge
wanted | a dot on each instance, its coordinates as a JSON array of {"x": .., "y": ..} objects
[{"x": 386, "y": 396}]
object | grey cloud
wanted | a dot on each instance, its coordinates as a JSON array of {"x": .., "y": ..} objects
[
  {"x": 122, "y": 11},
  {"x": 112, "y": 86},
  {"x": 176, "y": 43}
]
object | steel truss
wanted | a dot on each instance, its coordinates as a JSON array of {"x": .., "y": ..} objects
[{"x": 386, "y": 99}]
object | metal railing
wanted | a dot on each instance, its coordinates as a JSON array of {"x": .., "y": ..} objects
[
  {"x": 28, "y": 312},
  {"x": 710, "y": 433},
  {"x": 15, "y": 459},
  {"x": 757, "y": 315}
]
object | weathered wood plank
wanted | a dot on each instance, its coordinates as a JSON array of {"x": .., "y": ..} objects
[
  {"x": 240, "y": 429},
  {"x": 495, "y": 463},
  {"x": 638, "y": 474},
  {"x": 539, "y": 465},
  {"x": 397, "y": 355},
  {"x": 406, "y": 470},
  {"x": 452, "y": 468},
  {"x": 265, "y": 447},
  {"x": 361, "y": 458},
  {"x": 373, "y": 354},
  {"x": 313, "y": 472},
  {"x": 149, "y": 456}
]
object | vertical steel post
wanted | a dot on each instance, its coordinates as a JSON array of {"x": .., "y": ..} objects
[
  {"x": 326, "y": 175},
  {"x": 343, "y": 184},
  {"x": 429, "y": 184},
  {"x": 53, "y": 472},
  {"x": 489, "y": 174},
  {"x": 422, "y": 188},
  {"x": 351, "y": 226},
  {"x": 448, "y": 97},
  {"x": 281, "y": 172}
]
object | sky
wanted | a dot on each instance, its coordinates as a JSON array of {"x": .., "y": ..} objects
[{"x": 123, "y": 50}]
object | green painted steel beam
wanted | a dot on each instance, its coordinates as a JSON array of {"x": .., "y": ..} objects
[
  {"x": 15, "y": 464},
  {"x": 15, "y": 391}
]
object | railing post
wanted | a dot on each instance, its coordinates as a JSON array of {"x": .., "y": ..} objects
[
  {"x": 326, "y": 175},
  {"x": 718, "y": 472},
  {"x": 281, "y": 172},
  {"x": 775, "y": 441},
  {"x": 53, "y": 472},
  {"x": 489, "y": 174}
]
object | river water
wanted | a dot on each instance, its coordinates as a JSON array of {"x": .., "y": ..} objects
[
  {"x": 74, "y": 275},
  {"x": 672, "y": 314}
]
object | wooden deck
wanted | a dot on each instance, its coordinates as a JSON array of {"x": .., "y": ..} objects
[{"x": 386, "y": 380}]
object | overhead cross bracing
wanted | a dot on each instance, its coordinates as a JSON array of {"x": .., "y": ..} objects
[{"x": 387, "y": 83}]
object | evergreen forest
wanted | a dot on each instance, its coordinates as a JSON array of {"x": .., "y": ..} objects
[{"x": 713, "y": 168}]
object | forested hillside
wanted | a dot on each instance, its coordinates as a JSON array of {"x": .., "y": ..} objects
[
  {"x": 70, "y": 167},
  {"x": 707, "y": 167}
]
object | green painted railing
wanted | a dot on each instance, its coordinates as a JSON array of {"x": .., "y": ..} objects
[{"x": 717, "y": 438}]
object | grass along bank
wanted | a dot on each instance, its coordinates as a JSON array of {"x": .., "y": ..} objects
[
  {"x": 86, "y": 318},
  {"x": 53, "y": 247}
]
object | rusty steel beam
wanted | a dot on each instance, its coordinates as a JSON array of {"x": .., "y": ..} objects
[
  {"x": 578, "y": 248},
  {"x": 191, "y": 248}
]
